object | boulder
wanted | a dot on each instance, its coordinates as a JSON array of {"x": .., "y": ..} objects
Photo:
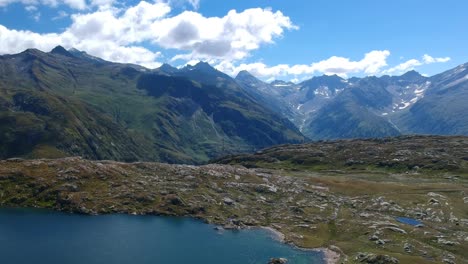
[
  {"x": 278, "y": 261},
  {"x": 228, "y": 201}
]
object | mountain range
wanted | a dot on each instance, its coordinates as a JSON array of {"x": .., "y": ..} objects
[
  {"x": 68, "y": 103},
  {"x": 331, "y": 107}
]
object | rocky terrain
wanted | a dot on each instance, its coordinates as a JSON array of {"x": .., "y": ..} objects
[
  {"x": 399, "y": 154},
  {"x": 352, "y": 209}
]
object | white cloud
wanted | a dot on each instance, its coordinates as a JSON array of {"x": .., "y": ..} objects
[
  {"x": 120, "y": 34},
  {"x": 405, "y": 66},
  {"x": 428, "y": 59},
  {"x": 30, "y": 8},
  {"x": 102, "y": 4},
  {"x": 413, "y": 63},
  {"x": 231, "y": 37},
  {"x": 372, "y": 63},
  {"x": 14, "y": 41},
  {"x": 61, "y": 14}
]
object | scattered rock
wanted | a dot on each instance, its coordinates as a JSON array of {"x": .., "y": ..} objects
[
  {"x": 408, "y": 248},
  {"x": 448, "y": 261},
  {"x": 228, "y": 201},
  {"x": 278, "y": 261},
  {"x": 69, "y": 187},
  {"x": 434, "y": 201},
  {"x": 395, "y": 229},
  {"x": 371, "y": 258},
  {"x": 365, "y": 215},
  {"x": 380, "y": 242},
  {"x": 174, "y": 200},
  {"x": 446, "y": 242}
]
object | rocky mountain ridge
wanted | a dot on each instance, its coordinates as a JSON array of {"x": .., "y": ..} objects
[
  {"x": 68, "y": 103},
  {"x": 331, "y": 107}
]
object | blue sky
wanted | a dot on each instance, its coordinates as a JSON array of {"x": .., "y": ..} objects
[{"x": 291, "y": 40}]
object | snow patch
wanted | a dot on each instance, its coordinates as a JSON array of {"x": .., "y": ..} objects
[
  {"x": 323, "y": 91},
  {"x": 405, "y": 105},
  {"x": 459, "y": 69}
]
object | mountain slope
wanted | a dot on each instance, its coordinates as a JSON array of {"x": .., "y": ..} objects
[
  {"x": 330, "y": 107},
  {"x": 443, "y": 108},
  {"x": 266, "y": 94},
  {"x": 352, "y": 114},
  {"x": 130, "y": 112}
]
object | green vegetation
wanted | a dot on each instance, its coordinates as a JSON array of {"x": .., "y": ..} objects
[
  {"x": 404, "y": 154},
  {"x": 58, "y": 104},
  {"x": 350, "y": 208}
]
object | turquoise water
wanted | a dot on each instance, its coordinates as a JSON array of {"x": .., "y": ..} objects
[
  {"x": 39, "y": 236},
  {"x": 408, "y": 221}
]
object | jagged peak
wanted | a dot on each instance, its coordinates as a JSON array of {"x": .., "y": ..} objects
[
  {"x": 244, "y": 74},
  {"x": 329, "y": 77},
  {"x": 412, "y": 73},
  {"x": 202, "y": 65},
  {"x": 61, "y": 51},
  {"x": 411, "y": 76},
  {"x": 165, "y": 67},
  {"x": 32, "y": 51}
]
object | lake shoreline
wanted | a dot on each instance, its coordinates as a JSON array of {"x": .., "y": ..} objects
[
  {"x": 118, "y": 227},
  {"x": 330, "y": 256}
]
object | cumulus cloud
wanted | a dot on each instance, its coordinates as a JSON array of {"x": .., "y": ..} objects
[
  {"x": 13, "y": 41},
  {"x": 413, "y": 63},
  {"x": 227, "y": 38},
  {"x": 372, "y": 63},
  {"x": 126, "y": 34},
  {"x": 231, "y": 37},
  {"x": 428, "y": 59}
]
